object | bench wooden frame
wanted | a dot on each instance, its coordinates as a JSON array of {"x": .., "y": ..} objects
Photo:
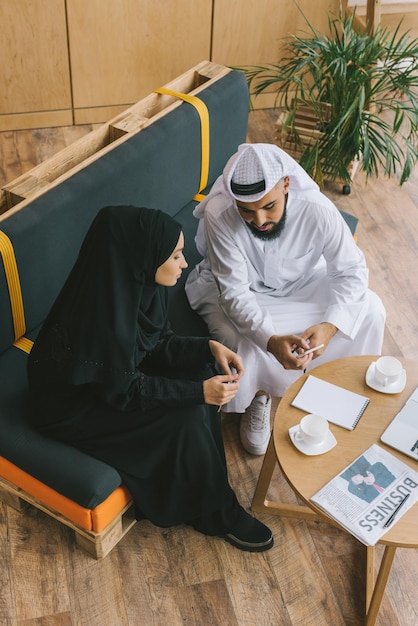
[{"x": 97, "y": 545}]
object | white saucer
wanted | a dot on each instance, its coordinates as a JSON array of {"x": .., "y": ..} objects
[
  {"x": 393, "y": 388},
  {"x": 323, "y": 447}
]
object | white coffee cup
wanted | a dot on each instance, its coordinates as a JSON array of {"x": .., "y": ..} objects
[
  {"x": 387, "y": 370},
  {"x": 313, "y": 429}
]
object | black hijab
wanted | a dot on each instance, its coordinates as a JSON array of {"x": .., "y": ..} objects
[{"x": 110, "y": 311}]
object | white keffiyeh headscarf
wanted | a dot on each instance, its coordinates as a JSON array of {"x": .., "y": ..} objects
[{"x": 255, "y": 169}]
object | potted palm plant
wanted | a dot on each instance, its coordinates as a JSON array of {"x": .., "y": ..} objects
[{"x": 362, "y": 90}]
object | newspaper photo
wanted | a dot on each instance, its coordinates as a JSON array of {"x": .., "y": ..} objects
[{"x": 370, "y": 495}]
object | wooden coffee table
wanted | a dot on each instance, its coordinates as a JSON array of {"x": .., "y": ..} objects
[{"x": 307, "y": 474}]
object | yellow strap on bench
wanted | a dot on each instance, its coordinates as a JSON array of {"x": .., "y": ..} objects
[
  {"x": 15, "y": 293},
  {"x": 202, "y": 109},
  {"x": 23, "y": 343}
]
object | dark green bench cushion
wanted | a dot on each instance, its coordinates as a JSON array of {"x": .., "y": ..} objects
[
  {"x": 72, "y": 473},
  {"x": 350, "y": 220}
]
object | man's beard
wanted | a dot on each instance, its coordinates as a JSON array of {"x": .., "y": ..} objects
[{"x": 274, "y": 232}]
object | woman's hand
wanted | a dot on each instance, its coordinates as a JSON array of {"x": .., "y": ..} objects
[
  {"x": 226, "y": 359},
  {"x": 220, "y": 389}
]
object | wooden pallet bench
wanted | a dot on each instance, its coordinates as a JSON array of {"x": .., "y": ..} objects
[{"x": 162, "y": 152}]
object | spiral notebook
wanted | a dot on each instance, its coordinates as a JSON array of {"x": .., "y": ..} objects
[{"x": 340, "y": 406}]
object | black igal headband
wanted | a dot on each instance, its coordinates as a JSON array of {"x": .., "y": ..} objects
[{"x": 248, "y": 190}]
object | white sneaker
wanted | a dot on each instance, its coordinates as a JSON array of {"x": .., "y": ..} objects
[{"x": 254, "y": 427}]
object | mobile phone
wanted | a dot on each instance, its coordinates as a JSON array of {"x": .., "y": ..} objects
[
  {"x": 299, "y": 356},
  {"x": 233, "y": 371}
]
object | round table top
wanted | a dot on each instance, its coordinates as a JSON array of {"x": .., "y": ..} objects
[{"x": 307, "y": 474}]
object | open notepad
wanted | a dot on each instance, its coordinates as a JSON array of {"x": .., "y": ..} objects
[{"x": 338, "y": 405}]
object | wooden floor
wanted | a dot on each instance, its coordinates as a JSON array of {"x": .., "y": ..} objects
[{"x": 314, "y": 574}]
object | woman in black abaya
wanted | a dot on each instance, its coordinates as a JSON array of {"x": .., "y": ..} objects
[{"x": 108, "y": 376}]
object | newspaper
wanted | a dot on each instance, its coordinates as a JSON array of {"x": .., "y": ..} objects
[{"x": 370, "y": 495}]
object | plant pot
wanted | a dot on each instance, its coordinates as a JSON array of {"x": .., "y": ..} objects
[{"x": 304, "y": 132}]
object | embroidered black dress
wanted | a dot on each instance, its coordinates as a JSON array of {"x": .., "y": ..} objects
[{"x": 108, "y": 376}]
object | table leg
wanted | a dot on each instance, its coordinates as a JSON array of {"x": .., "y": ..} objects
[
  {"x": 370, "y": 554},
  {"x": 380, "y": 585},
  {"x": 264, "y": 479},
  {"x": 260, "y": 504}
]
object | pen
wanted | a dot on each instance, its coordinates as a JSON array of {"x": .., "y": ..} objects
[
  {"x": 299, "y": 356},
  {"x": 396, "y": 511}
]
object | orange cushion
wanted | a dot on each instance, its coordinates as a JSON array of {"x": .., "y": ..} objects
[{"x": 93, "y": 520}]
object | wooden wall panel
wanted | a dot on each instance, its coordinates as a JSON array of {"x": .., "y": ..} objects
[
  {"x": 121, "y": 50},
  {"x": 118, "y": 51},
  {"x": 34, "y": 68},
  {"x": 250, "y": 33},
  {"x": 409, "y": 21}
]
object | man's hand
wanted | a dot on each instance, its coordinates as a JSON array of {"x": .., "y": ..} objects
[
  {"x": 320, "y": 333},
  {"x": 289, "y": 349},
  {"x": 286, "y": 348}
]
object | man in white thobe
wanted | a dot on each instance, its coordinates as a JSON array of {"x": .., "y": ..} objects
[{"x": 281, "y": 273}]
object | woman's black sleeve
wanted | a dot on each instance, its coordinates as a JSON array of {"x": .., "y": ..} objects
[
  {"x": 173, "y": 372},
  {"x": 181, "y": 353},
  {"x": 171, "y": 375}
]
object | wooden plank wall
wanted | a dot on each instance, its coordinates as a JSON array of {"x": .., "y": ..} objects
[{"x": 71, "y": 61}]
